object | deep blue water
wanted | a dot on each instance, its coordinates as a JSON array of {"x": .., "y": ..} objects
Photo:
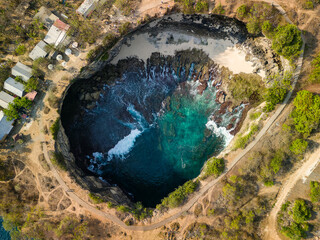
[
  {"x": 152, "y": 131},
  {"x": 4, "y": 235}
]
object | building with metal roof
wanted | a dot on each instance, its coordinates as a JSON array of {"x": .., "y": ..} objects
[
  {"x": 57, "y": 33},
  {"x": 5, "y": 126},
  {"x": 46, "y": 17},
  {"x": 22, "y": 71},
  {"x": 39, "y": 51},
  {"x": 87, "y": 7},
  {"x": 13, "y": 86},
  {"x": 5, "y": 99}
]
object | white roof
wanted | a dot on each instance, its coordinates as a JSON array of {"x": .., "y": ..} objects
[
  {"x": 38, "y": 51},
  {"x": 5, "y": 126},
  {"x": 5, "y": 99},
  {"x": 54, "y": 36},
  {"x": 86, "y": 7},
  {"x": 13, "y": 86},
  {"x": 22, "y": 70}
]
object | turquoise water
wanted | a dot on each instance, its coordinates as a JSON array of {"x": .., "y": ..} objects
[
  {"x": 4, "y": 235},
  {"x": 151, "y": 132}
]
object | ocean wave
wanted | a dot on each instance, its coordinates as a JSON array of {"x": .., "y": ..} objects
[{"x": 220, "y": 131}]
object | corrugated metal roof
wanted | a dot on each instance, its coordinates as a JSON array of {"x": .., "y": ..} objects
[
  {"x": 38, "y": 51},
  {"x": 61, "y": 25},
  {"x": 5, "y": 126},
  {"x": 87, "y": 5},
  {"x": 22, "y": 70},
  {"x": 13, "y": 86},
  {"x": 5, "y": 99}
]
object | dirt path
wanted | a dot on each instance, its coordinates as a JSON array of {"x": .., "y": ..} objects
[
  {"x": 205, "y": 188},
  {"x": 300, "y": 173}
]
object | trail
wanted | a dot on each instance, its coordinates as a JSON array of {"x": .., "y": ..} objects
[{"x": 203, "y": 189}]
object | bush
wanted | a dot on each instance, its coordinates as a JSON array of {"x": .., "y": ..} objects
[
  {"x": 315, "y": 191},
  {"x": 124, "y": 28},
  {"x": 295, "y": 231},
  {"x": 253, "y": 26},
  {"x": 123, "y": 209},
  {"x": 242, "y": 11},
  {"x": 58, "y": 160},
  {"x": 301, "y": 211},
  {"x": 242, "y": 141},
  {"x": 287, "y": 41},
  {"x": 12, "y": 112},
  {"x": 298, "y": 146},
  {"x": 177, "y": 197},
  {"x": 306, "y": 115},
  {"x": 219, "y": 9},
  {"x": 54, "y": 129},
  {"x": 21, "y": 49},
  {"x": 202, "y": 6},
  {"x": 276, "y": 161},
  {"x": 95, "y": 199},
  {"x": 267, "y": 29},
  {"x": 31, "y": 85},
  {"x": 215, "y": 166},
  {"x": 315, "y": 72},
  {"x": 254, "y": 116},
  {"x": 308, "y": 5}
]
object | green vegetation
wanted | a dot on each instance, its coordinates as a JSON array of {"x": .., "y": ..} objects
[
  {"x": 246, "y": 88},
  {"x": 301, "y": 211},
  {"x": 6, "y": 170},
  {"x": 4, "y": 74},
  {"x": 299, "y": 146},
  {"x": 254, "y": 115},
  {"x": 54, "y": 129},
  {"x": 277, "y": 92},
  {"x": 295, "y": 231},
  {"x": 219, "y": 9},
  {"x": 58, "y": 160},
  {"x": 21, "y": 49},
  {"x": 95, "y": 198},
  {"x": 12, "y": 112},
  {"x": 178, "y": 196},
  {"x": 314, "y": 76},
  {"x": 253, "y": 26},
  {"x": 126, "y": 6},
  {"x": 308, "y": 5},
  {"x": 315, "y": 191},
  {"x": 276, "y": 161},
  {"x": 124, "y": 28},
  {"x": 31, "y": 85},
  {"x": 267, "y": 29},
  {"x": 242, "y": 11},
  {"x": 306, "y": 114},
  {"x": 202, "y": 6},
  {"x": 214, "y": 166},
  {"x": 242, "y": 141},
  {"x": 287, "y": 41}
]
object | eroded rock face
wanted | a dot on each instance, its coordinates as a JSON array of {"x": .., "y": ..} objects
[{"x": 193, "y": 65}]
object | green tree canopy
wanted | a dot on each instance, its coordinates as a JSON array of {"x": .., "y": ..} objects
[
  {"x": 306, "y": 115},
  {"x": 298, "y": 146},
  {"x": 31, "y": 85},
  {"x": 301, "y": 211},
  {"x": 215, "y": 166},
  {"x": 12, "y": 112},
  {"x": 315, "y": 191},
  {"x": 287, "y": 41}
]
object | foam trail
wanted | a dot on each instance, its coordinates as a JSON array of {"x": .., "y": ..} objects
[
  {"x": 138, "y": 117},
  {"x": 124, "y": 146},
  {"x": 220, "y": 131}
]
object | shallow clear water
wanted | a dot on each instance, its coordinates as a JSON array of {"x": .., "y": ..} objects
[{"x": 4, "y": 235}]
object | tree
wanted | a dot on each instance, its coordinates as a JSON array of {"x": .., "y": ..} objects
[
  {"x": 301, "y": 211},
  {"x": 253, "y": 26},
  {"x": 287, "y": 41},
  {"x": 31, "y": 85},
  {"x": 296, "y": 231},
  {"x": 276, "y": 161},
  {"x": 12, "y": 112},
  {"x": 299, "y": 146},
  {"x": 21, "y": 49},
  {"x": 315, "y": 191},
  {"x": 275, "y": 95},
  {"x": 267, "y": 28},
  {"x": 215, "y": 166},
  {"x": 306, "y": 115},
  {"x": 242, "y": 11}
]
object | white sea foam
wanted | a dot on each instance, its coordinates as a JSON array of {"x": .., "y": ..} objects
[
  {"x": 124, "y": 146},
  {"x": 219, "y": 131}
]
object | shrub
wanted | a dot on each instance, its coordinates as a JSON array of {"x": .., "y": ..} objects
[
  {"x": 308, "y": 5},
  {"x": 242, "y": 141},
  {"x": 253, "y": 26},
  {"x": 276, "y": 161},
  {"x": 285, "y": 206},
  {"x": 178, "y": 196},
  {"x": 95, "y": 199},
  {"x": 298, "y": 146},
  {"x": 300, "y": 211},
  {"x": 315, "y": 191},
  {"x": 254, "y": 116},
  {"x": 54, "y": 129},
  {"x": 202, "y": 6},
  {"x": 124, "y": 28},
  {"x": 31, "y": 85},
  {"x": 306, "y": 115},
  {"x": 215, "y": 166},
  {"x": 242, "y": 11},
  {"x": 21, "y": 49},
  {"x": 219, "y": 9},
  {"x": 267, "y": 29},
  {"x": 287, "y": 41},
  {"x": 58, "y": 160},
  {"x": 295, "y": 231},
  {"x": 123, "y": 209}
]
